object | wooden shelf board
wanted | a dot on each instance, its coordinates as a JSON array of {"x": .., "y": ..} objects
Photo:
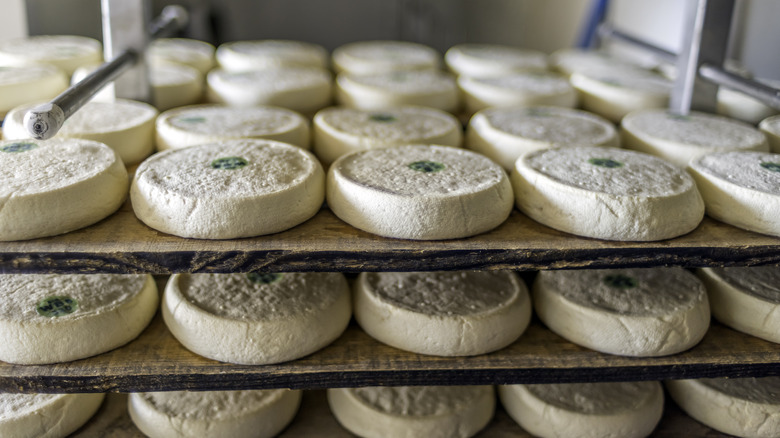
[
  {"x": 157, "y": 362},
  {"x": 122, "y": 244}
]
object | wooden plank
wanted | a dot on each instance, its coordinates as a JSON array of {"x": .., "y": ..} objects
[
  {"x": 122, "y": 244},
  {"x": 314, "y": 419},
  {"x": 157, "y": 362}
]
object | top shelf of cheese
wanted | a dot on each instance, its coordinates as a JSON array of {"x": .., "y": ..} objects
[{"x": 122, "y": 244}]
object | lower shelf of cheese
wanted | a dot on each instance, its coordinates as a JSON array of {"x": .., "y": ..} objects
[
  {"x": 157, "y": 362},
  {"x": 315, "y": 419}
]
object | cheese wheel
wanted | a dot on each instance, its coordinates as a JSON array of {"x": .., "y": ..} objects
[
  {"x": 125, "y": 126},
  {"x": 570, "y": 60},
  {"x": 628, "y": 312},
  {"x": 744, "y": 407},
  {"x": 413, "y": 411},
  {"x": 56, "y": 186},
  {"x": 305, "y": 90},
  {"x": 771, "y": 128},
  {"x": 214, "y": 414},
  {"x": 21, "y": 85},
  {"x": 680, "y": 139},
  {"x": 238, "y": 56},
  {"x": 741, "y": 189},
  {"x": 192, "y": 53},
  {"x": 460, "y": 313},
  {"x": 227, "y": 190},
  {"x": 503, "y": 134},
  {"x": 340, "y": 130},
  {"x": 419, "y": 192},
  {"x": 740, "y": 106},
  {"x": 745, "y": 299},
  {"x": 614, "y": 91},
  {"x": 58, "y": 318},
  {"x": 256, "y": 319},
  {"x": 66, "y": 52},
  {"x": 526, "y": 89},
  {"x": 378, "y": 91},
  {"x": 372, "y": 57},
  {"x": 606, "y": 193},
  {"x": 199, "y": 124},
  {"x": 45, "y": 415},
  {"x": 585, "y": 410},
  {"x": 490, "y": 60}
]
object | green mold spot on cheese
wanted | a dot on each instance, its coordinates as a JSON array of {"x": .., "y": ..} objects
[
  {"x": 384, "y": 118},
  {"x": 679, "y": 117},
  {"x": 229, "y": 163},
  {"x": 605, "y": 162},
  {"x": 260, "y": 278},
  {"x": 620, "y": 281},
  {"x": 426, "y": 166},
  {"x": 773, "y": 167},
  {"x": 193, "y": 119},
  {"x": 611, "y": 82},
  {"x": 56, "y": 306},
  {"x": 18, "y": 147}
]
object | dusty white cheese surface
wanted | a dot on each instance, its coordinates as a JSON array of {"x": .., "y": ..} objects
[
  {"x": 760, "y": 281},
  {"x": 553, "y": 125},
  {"x": 233, "y": 122},
  {"x": 270, "y": 54},
  {"x": 751, "y": 170},
  {"x": 594, "y": 398},
  {"x": 381, "y": 56},
  {"x": 404, "y": 82},
  {"x": 395, "y": 124},
  {"x": 210, "y": 405},
  {"x": 420, "y": 400}
]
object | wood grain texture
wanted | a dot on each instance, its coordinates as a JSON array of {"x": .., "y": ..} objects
[
  {"x": 157, "y": 362},
  {"x": 122, "y": 244}
]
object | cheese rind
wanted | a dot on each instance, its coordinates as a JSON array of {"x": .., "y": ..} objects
[
  {"x": 429, "y": 88},
  {"x": 200, "y": 124},
  {"x": 125, "y": 126},
  {"x": 227, "y": 190},
  {"x": 629, "y": 312},
  {"x": 45, "y": 415},
  {"x": 771, "y": 128},
  {"x": 419, "y": 192},
  {"x": 240, "y": 56},
  {"x": 585, "y": 410},
  {"x": 680, "y": 139},
  {"x": 192, "y": 53},
  {"x": 339, "y": 130},
  {"x": 503, "y": 134},
  {"x": 425, "y": 411},
  {"x": 526, "y": 89},
  {"x": 66, "y": 52},
  {"x": 371, "y": 57},
  {"x": 745, "y": 299},
  {"x": 76, "y": 182},
  {"x": 570, "y": 60},
  {"x": 745, "y": 407},
  {"x": 740, "y": 106},
  {"x": 741, "y": 188},
  {"x": 214, "y": 414},
  {"x": 606, "y": 193},
  {"x": 490, "y": 60},
  {"x": 269, "y": 318},
  {"x": 22, "y": 85},
  {"x": 443, "y": 313}
]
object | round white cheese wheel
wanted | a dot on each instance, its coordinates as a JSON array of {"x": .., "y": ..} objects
[
  {"x": 613, "y": 91},
  {"x": 21, "y": 85},
  {"x": 526, "y": 89},
  {"x": 744, "y": 407},
  {"x": 378, "y": 91},
  {"x": 125, "y": 126},
  {"x": 740, "y": 106},
  {"x": 256, "y": 319},
  {"x": 771, "y": 128},
  {"x": 680, "y": 139},
  {"x": 570, "y": 60},
  {"x": 56, "y": 186},
  {"x": 66, "y": 52},
  {"x": 745, "y": 299},
  {"x": 340, "y": 130},
  {"x": 413, "y": 411},
  {"x": 192, "y": 53},
  {"x": 58, "y": 318},
  {"x": 214, "y": 414},
  {"x": 459, "y": 313},
  {"x": 629, "y": 312},
  {"x": 419, "y": 192},
  {"x": 240, "y": 56},
  {"x": 489, "y": 60},
  {"x": 606, "y": 193},
  {"x": 503, "y": 134},
  {"x": 305, "y": 90},
  {"x": 45, "y": 415},
  {"x": 227, "y": 190},
  {"x": 741, "y": 189},
  {"x": 199, "y": 124},
  {"x": 585, "y": 410},
  {"x": 372, "y": 57}
]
